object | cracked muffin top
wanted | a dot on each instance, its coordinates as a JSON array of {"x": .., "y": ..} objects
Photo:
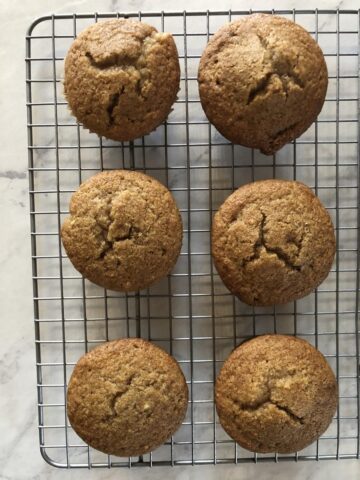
[
  {"x": 275, "y": 393},
  {"x": 126, "y": 397},
  {"x": 124, "y": 231},
  {"x": 272, "y": 242},
  {"x": 262, "y": 81},
  {"x": 121, "y": 78}
]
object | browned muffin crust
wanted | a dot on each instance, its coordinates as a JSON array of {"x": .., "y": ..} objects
[
  {"x": 126, "y": 397},
  {"x": 275, "y": 393},
  {"x": 272, "y": 242},
  {"x": 262, "y": 81},
  {"x": 121, "y": 78},
  {"x": 124, "y": 231}
]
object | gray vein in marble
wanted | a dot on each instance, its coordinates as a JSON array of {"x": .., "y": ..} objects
[
  {"x": 131, "y": 5},
  {"x": 10, "y": 449},
  {"x": 12, "y": 174},
  {"x": 9, "y": 366}
]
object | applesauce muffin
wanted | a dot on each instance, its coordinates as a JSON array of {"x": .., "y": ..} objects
[
  {"x": 275, "y": 393},
  {"x": 262, "y": 81},
  {"x": 126, "y": 397},
  {"x": 121, "y": 78},
  {"x": 272, "y": 242},
  {"x": 124, "y": 231}
]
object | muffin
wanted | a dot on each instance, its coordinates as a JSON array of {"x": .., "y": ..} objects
[
  {"x": 275, "y": 393},
  {"x": 262, "y": 81},
  {"x": 124, "y": 231},
  {"x": 272, "y": 242},
  {"x": 121, "y": 78},
  {"x": 126, "y": 397}
]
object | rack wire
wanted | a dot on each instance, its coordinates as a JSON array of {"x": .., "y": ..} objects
[{"x": 190, "y": 313}]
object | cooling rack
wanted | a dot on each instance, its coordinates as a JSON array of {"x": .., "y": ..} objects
[{"x": 190, "y": 313}]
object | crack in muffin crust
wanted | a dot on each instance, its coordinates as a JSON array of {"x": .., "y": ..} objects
[
  {"x": 267, "y": 399},
  {"x": 286, "y": 74},
  {"x": 261, "y": 244}
]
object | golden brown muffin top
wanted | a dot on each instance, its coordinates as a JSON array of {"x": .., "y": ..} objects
[
  {"x": 121, "y": 78},
  {"x": 272, "y": 242},
  {"x": 275, "y": 393},
  {"x": 262, "y": 81},
  {"x": 126, "y": 397},
  {"x": 124, "y": 231}
]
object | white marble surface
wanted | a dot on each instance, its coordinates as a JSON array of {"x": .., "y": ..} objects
[{"x": 19, "y": 452}]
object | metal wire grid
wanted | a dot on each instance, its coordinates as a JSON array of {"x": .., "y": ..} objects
[{"x": 190, "y": 313}]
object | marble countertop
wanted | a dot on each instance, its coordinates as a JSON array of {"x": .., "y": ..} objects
[{"x": 19, "y": 451}]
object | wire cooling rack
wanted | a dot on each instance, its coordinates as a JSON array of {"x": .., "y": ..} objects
[{"x": 190, "y": 313}]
